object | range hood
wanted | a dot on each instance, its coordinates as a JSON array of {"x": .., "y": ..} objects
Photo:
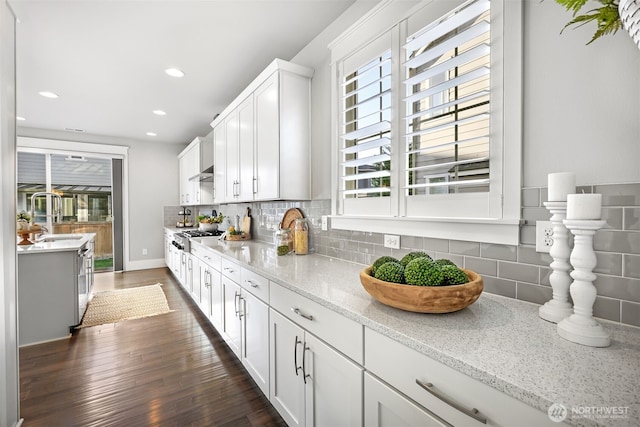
[{"x": 205, "y": 175}]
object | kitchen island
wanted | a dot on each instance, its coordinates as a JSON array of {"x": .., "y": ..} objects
[
  {"x": 55, "y": 279},
  {"x": 499, "y": 342}
]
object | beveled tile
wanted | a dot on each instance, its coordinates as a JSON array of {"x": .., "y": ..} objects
[
  {"x": 531, "y": 215},
  {"x": 631, "y": 219},
  {"x": 533, "y": 293},
  {"x": 609, "y": 263},
  {"x": 519, "y": 272},
  {"x": 613, "y": 216},
  {"x": 617, "y": 241},
  {"x": 630, "y": 313},
  {"x": 411, "y": 242},
  {"x": 623, "y": 288},
  {"x": 528, "y": 255},
  {"x": 464, "y": 248},
  {"x": 631, "y": 265},
  {"x": 497, "y": 286},
  {"x": 607, "y": 308},
  {"x": 619, "y": 194},
  {"x": 438, "y": 245},
  {"x": 481, "y": 265},
  {"x": 503, "y": 252},
  {"x": 528, "y": 235}
]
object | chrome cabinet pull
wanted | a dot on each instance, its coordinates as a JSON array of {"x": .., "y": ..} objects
[
  {"x": 301, "y": 314},
  {"x": 255, "y": 185},
  {"x": 473, "y": 412},
  {"x": 240, "y": 311},
  {"x": 235, "y": 303},
  {"x": 251, "y": 283},
  {"x": 295, "y": 355},
  {"x": 304, "y": 368}
]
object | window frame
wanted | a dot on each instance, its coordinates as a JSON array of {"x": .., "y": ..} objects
[{"x": 502, "y": 222}]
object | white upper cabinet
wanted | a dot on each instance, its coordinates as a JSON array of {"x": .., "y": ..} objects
[
  {"x": 196, "y": 171},
  {"x": 266, "y": 134},
  {"x": 219, "y": 168}
]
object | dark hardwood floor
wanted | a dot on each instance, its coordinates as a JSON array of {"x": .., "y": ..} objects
[{"x": 168, "y": 370}]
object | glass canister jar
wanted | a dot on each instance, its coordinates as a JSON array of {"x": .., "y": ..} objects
[
  {"x": 301, "y": 236},
  {"x": 283, "y": 241}
]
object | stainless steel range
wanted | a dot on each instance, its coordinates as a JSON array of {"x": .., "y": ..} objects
[{"x": 182, "y": 242}]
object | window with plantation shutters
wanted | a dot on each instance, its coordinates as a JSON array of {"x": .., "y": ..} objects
[
  {"x": 365, "y": 131},
  {"x": 429, "y": 120},
  {"x": 447, "y": 73}
]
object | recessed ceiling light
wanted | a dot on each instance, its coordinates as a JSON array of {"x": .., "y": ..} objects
[
  {"x": 159, "y": 113},
  {"x": 151, "y": 134},
  {"x": 20, "y": 119},
  {"x": 174, "y": 72},
  {"x": 47, "y": 94}
]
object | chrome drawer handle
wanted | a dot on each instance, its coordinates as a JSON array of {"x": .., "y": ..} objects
[
  {"x": 230, "y": 270},
  {"x": 250, "y": 282},
  {"x": 301, "y": 314},
  {"x": 473, "y": 412}
]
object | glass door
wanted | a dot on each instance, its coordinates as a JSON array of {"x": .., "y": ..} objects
[{"x": 84, "y": 187}]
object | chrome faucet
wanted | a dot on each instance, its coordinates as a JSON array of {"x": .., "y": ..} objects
[{"x": 46, "y": 193}]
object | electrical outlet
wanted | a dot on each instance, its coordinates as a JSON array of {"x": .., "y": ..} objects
[
  {"x": 544, "y": 236},
  {"x": 144, "y": 251},
  {"x": 325, "y": 222},
  {"x": 391, "y": 241}
]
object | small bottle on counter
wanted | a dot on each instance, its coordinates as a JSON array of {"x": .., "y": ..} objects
[
  {"x": 301, "y": 236},
  {"x": 283, "y": 241}
]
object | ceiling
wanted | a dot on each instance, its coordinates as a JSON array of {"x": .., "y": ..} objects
[{"x": 106, "y": 60}]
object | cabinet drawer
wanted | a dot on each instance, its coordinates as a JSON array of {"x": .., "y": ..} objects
[
  {"x": 344, "y": 334},
  {"x": 255, "y": 284},
  {"x": 401, "y": 367},
  {"x": 211, "y": 258},
  {"x": 231, "y": 270}
]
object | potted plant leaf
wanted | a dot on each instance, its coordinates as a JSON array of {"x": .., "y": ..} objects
[{"x": 609, "y": 17}]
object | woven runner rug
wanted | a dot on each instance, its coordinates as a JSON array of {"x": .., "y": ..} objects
[{"x": 123, "y": 304}]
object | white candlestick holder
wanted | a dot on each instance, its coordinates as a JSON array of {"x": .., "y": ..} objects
[
  {"x": 581, "y": 327},
  {"x": 559, "y": 306}
]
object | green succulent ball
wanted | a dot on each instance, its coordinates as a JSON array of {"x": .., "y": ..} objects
[
  {"x": 377, "y": 263},
  {"x": 453, "y": 275},
  {"x": 423, "y": 272},
  {"x": 391, "y": 271},
  {"x": 413, "y": 255},
  {"x": 443, "y": 261}
]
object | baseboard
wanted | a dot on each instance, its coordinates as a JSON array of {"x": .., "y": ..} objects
[{"x": 145, "y": 264}]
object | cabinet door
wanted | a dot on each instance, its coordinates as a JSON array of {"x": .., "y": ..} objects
[
  {"x": 167, "y": 251},
  {"x": 215, "y": 301},
  {"x": 184, "y": 179},
  {"x": 245, "y": 154},
  {"x": 232, "y": 331},
  {"x": 219, "y": 163},
  {"x": 384, "y": 407},
  {"x": 267, "y": 136},
  {"x": 255, "y": 339},
  {"x": 232, "y": 156},
  {"x": 286, "y": 391},
  {"x": 333, "y": 386},
  {"x": 205, "y": 292},
  {"x": 194, "y": 169}
]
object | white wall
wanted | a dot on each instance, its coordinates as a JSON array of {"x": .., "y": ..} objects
[
  {"x": 153, "y": 184},
  {"x": 9, "y": 394},
  {"x": 317, "y": 55},
  {"x": 581, "y": 103}
]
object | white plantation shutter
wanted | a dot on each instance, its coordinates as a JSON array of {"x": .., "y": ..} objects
[
  {"x": 447, "y": 81},
  {"x": 365, "y": 136}
]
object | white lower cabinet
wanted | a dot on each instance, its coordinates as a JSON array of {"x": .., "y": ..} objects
[
  {"x": 254, "y": 315},
  {"x": 231, "y": 329},
  {"x": 385, "y": 407},
  {"x": 452, "y": 396},
  {"x": 311, "y": 383}
]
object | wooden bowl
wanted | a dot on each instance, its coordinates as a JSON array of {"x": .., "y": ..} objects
[{"x": 424, "y": 299}]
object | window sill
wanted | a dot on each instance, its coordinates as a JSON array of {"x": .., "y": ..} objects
[{"x": 505, "y": 232}]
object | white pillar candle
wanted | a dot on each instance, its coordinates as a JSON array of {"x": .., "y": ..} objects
[
  {"x": 560, "y": 185},
  {"x": 584, "y": 206}
]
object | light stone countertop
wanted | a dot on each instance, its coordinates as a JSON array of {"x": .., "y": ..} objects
[
  {"x": 499, "y": 341},
  {"x": 66, "y": 242}
]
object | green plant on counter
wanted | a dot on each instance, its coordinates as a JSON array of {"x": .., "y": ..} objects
[
  {"x": 207, "y": 219},
  {"x": 23, "y": 216},
  {"x": 606, "y": 17}
]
